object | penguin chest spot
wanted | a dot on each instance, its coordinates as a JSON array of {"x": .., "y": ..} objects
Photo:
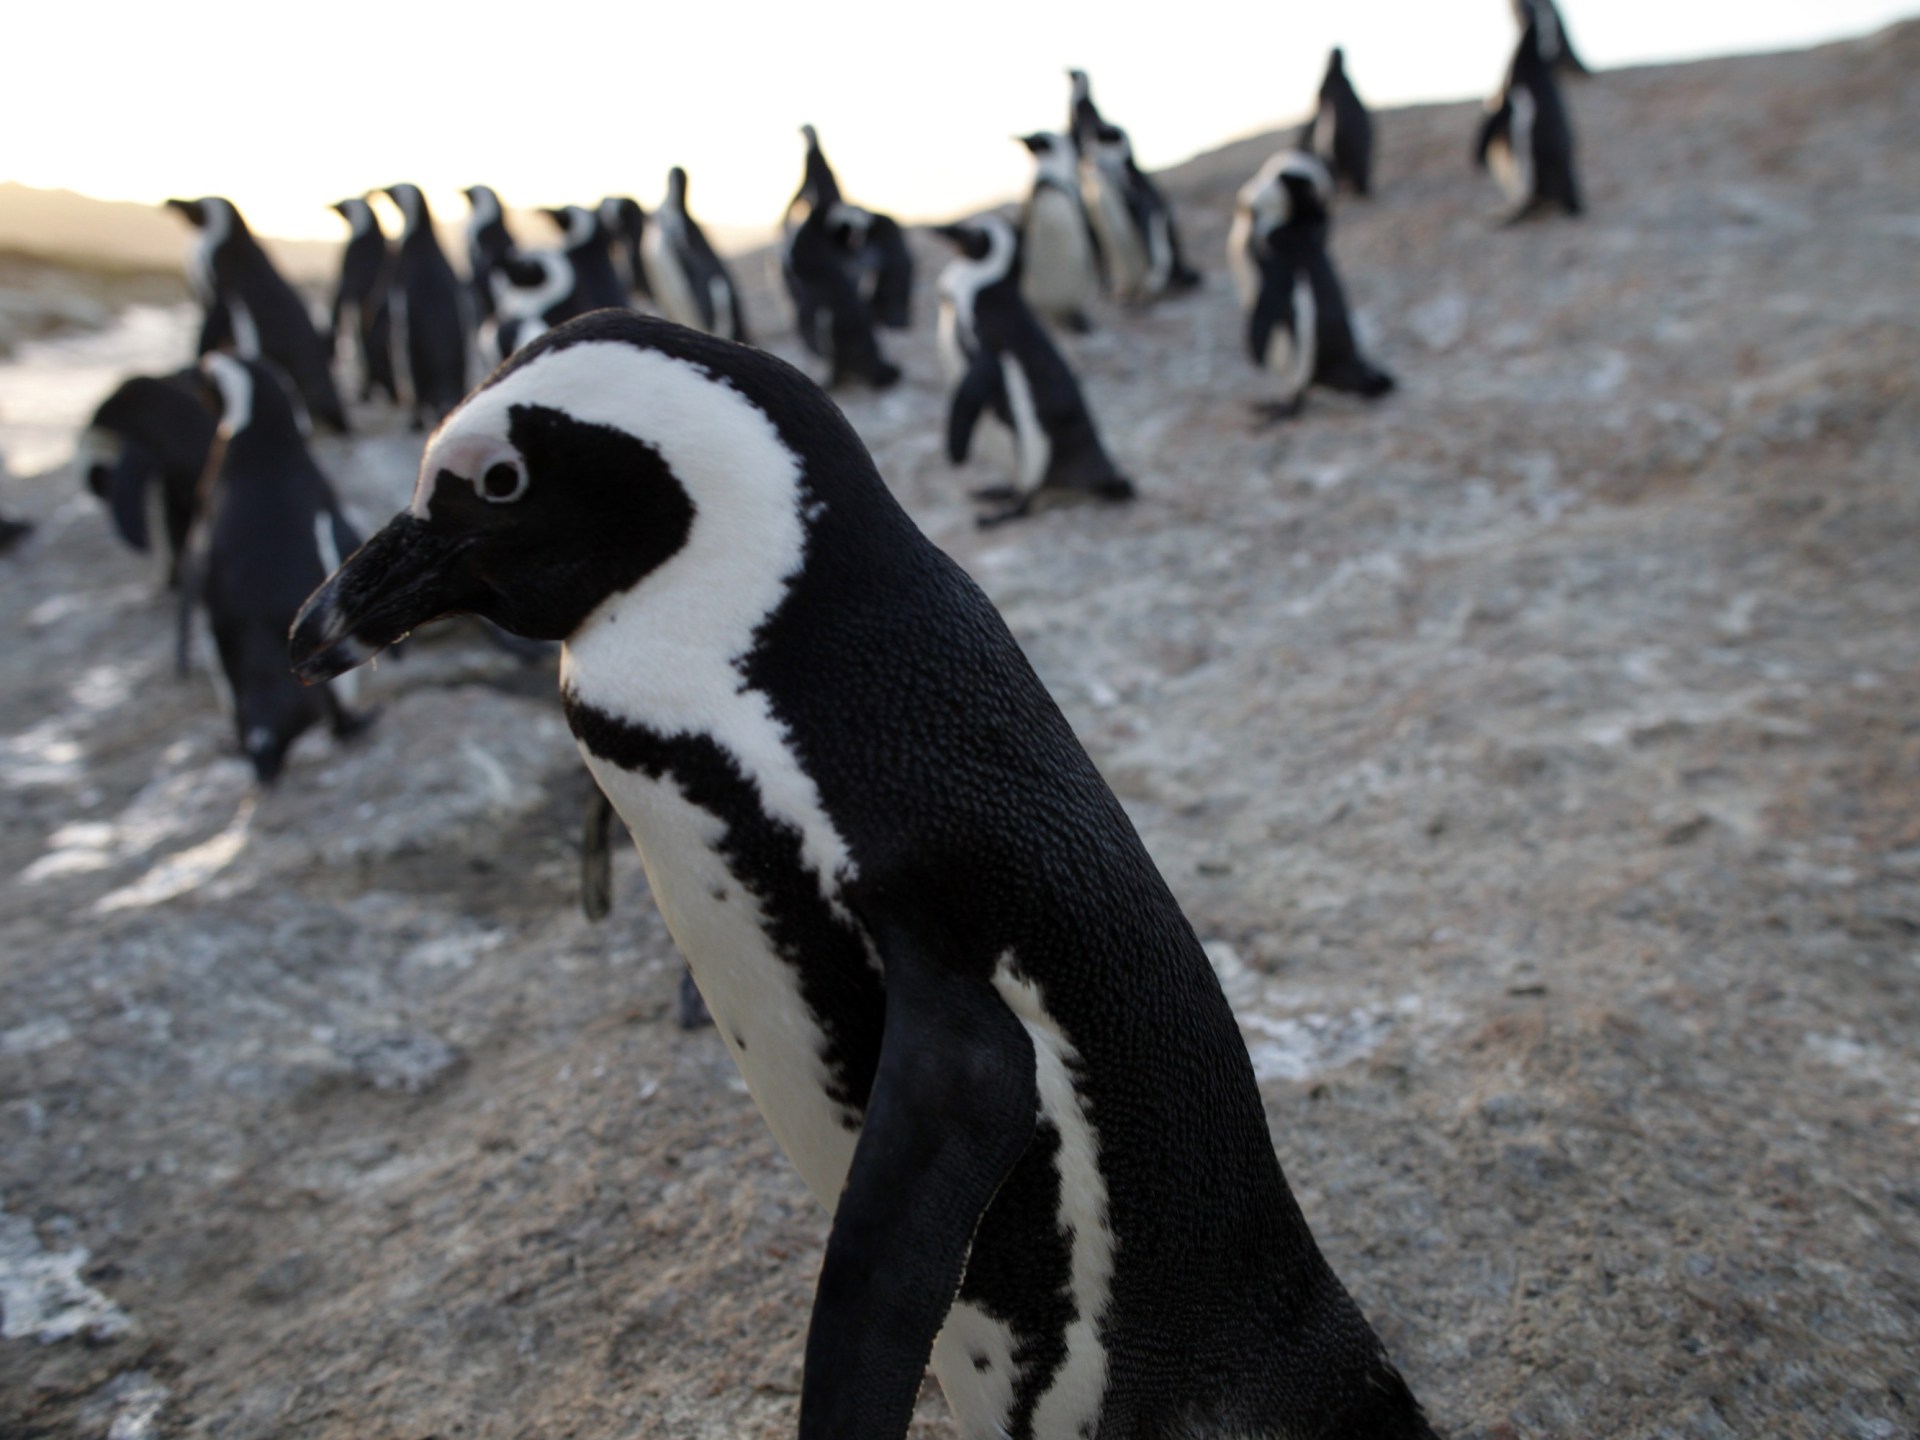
[{"x": 753, "y": 992}]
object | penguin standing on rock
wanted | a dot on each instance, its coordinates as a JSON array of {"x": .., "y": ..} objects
[
  {"x": 1061, "y": 270},
  {"x": 360, "y": 299},
  {"x": 1001, "y": 359},
  {"x": 964, "y": 999},
  {"x": 1527, "y": 137},
  {"x": 145, "y": 451},
  {"x": 273, "y": 530},
  {"x": 264, "y": 316},
  {"x": 1297, "y": 323},
  {"x": 488, "y": 243},
  {"x": 1341, "y": 130},
  {"x": 684, "y": 274},
  {"x": 429, "y": 316}
]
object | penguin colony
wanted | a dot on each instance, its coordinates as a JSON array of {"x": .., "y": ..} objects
[{"x": 922, "y": 992}]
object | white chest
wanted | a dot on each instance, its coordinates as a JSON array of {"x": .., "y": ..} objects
[{"x": 1060, "y": 270}]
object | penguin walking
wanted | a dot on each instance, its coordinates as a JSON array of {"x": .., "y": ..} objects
[
  {"x": 626, "y": 222},
  {"x": 145, "y": 451},
  {"x": 360, "y": 299},
  {"x": 488, "y": 243},
  {"x": 1298, "y": 328},
  {"x": 429, "y": 316},
  {"x": 1527, "y": 137},
  {"x": 1556, "y": 47},
  {"x": 264, "y": 316},
  {"x": 833, "y": 317},
  {"x": 1000, "y": 359},
  {"x": 1341, "y": 130},
  {"x": 964, "y": 999},
  {"x": 273, "y": 530},
  {"x": 684, "y": 274},
  {"x": 1061, "y": 273}
]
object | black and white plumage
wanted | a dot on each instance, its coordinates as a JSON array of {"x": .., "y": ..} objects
[
  {"x": 431, "y": 316},
  {"x": 272, "y": 530},
  {"x": 962, "y": 996},
  {"x": 626, "y": 224},
  {"x": 1298, "y": 328},
  {"x": 360, "y": 299},
  {"x": 145, "y": 452},
  {"x": 1000, "y": 359},
  {"x": 1527, "y": 137},
  {"x": 1132, "y": 222},
  {"x": 1556, "y": 46},
  {"x": 685, "y": 276},
  {"x": 489, "y": 241},
  {"x": 1341, "y": 130},
  {"x": 535, "y": 290},
  {"x": 824, "y": 277},
  {"x": 252, "y": 307},
  {"x": 1061, "y": 270}
]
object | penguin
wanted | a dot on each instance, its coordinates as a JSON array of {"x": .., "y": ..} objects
[
  {"x": 272, "y": 531},
  {"x": 145, "y": 452},
  {"x": 1061, "y": 274},
  {"x": 488, "y": 242},
  {"x": 264, "y": 316},
  {"x": 537, "y": 289},
  {"x": 1083, "y": 116},
  {"x": 1527, "y": 137},
  {"x": 1000, "y": 358},
  {"x": 831, "y": 315},
  {"x": 626, "y": 222},
  {"x": 429, "y": 316},
  {"x": 1341, "y": 130},
  {"x": 1132, "y": 222},
  {"x": 964, "y": 999},
  {"x": 361, "y": 296},
  {"x": 872, "y": 247},
  {"x": 1556, "y": 47},
  {"x": 1297, "y": 322},
  {"x": 684, "y": 274}
]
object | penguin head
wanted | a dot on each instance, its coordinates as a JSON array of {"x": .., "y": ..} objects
[
  {"x": 247, "y": 396},
  {"x": 619, "y": 468},
  {"x": 413, "y": 205},
  {"x": 212, "y": 213},
  {"x": 622, "y": 215},
  {"x": 989, "y": 247},
  {"x": 357, "y": 213},
  {"x": 484, "y": 204},
  {"x": 1294, "y": 186},
  {"x": 1053, "y": 155},
  {"x": 677, "y": 187}
]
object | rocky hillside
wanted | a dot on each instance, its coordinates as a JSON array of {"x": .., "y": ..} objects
[{"x": 1538, "y": 752}]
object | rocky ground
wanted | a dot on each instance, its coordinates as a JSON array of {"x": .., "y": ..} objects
[{"x": 1538, "y": 752}]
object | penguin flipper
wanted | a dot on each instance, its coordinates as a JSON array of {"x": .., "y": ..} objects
[
  {"x": 978, "y": 389},
  {"x": 1273, "y": 309},
  {"x": 1491, "y": 128},
  {"x": 127, "y": 494},
  {"x": 952, "y": 1109}
]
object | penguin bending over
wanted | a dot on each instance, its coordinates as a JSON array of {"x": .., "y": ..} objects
[
  {"x": 1061, "y": 272},
  {"x": 833, "y": 318},
  {"x": 1001, "y": 359},
  {"x": 1556, "y": 46},
  {"x": 361, "y": 297},
  {"x": 264, "y": 315},
  {"x": 1341, "y": 130},
  {"x": 626, "y": 223},
  {"x": 488, "y": 243},
  {"x": 272, "y": 531},
  {"x": 684, "y": 274},
  {"x": 964, "y": 999},
  {"x": 145, "y": 453},
  {"x": 1527, "y": 137},
  {"x": 430, "y": 318},
  {"x": 1297, "y": 322}
]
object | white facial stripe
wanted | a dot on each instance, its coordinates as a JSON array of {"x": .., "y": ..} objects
[
  {"x": 531, "y": 302},
  {"x": 674, "y": 664},
  {"x": 236, "y": 391}
]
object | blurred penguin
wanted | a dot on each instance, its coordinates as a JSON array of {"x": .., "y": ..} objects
[
  {"x": 626, "y": 222},
  {"x": 1341, "y": 130},
  {"x": 1556, "y": 47},
  {"x": 1527, "y": 137},
  {"x": 1061, "y": 273},
  {"x": 360, "y": 299},
  {"x": 144, "y": 454},
  {"x": 684, "y": 275},
  {"x": 430, "y": 324},
  {"x": 834, "y": 318},
  {"x": 488, "y": 243},
  {"x": 534, "y": 290}
]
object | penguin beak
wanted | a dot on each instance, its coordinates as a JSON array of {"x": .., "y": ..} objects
[
  {"x": 192, "y": 209},
  {"x": 403, "y": 577}
]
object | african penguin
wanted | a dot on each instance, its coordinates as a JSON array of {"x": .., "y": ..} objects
[
  {"x": 1556, "y": 47},
  {"x": 965, "y": 1001},
  {"x": 1341, "y": 130},
  {"x": 488, "y": 242},
  {"x": 361, "y": 299},
  {"x": 265, "y": 315},
  {"x": 430, "y": 315},
  {"x": 537, "y": 289},
  {"x": 684, "y": 274},
  {"x": 832, "y": 316},
  {"x": 999, "y": 358},
  {"x": 145, "y": 452},
  {"x": 626, "y": 222},
  {"x": 272, "y": 531},
  {"x": 1297, "y": 323},
  {"x": 1527, "y": 137},
  {"x": 1061, "y": 271},
  {"x": 1132, "y": 222},
  {"x": 1083, "y": 116}
]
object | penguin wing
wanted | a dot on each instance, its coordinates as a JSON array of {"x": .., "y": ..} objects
[
  {"x": 980, "y": 387},
  {"x": 1274, "y": 309},
  {"x": 1492, "y": 128},
  {"x": 893, "y": 285},
  {"x": 126, "y": 493},
  {"x": 953, "y": 1108}
]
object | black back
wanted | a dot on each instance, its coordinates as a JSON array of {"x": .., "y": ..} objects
[
  {"x": 165, "y": 432},
  {"x": 1352, "y": 159},
  {"x": 435, "y": 330}
]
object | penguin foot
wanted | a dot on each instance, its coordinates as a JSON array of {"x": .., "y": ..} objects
[
  {"x": 1268, "y": 413},
  {"x": 691, "y": 1008},
  {"x": 998, "y": 494}
]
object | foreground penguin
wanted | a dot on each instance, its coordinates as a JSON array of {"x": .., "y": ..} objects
[
  {"x": 1061, "y": 270},
  {"x": 273, "y": 531},
  {"x": 263, "y": 315},
  {"x": 1000, "y": 359},
  {"x": 684, "y": 274},
  {"x": 1556, "y": 47},
  {"x": 145, "y": 451},
  {"x": 429, "y": 313},
  {"x": 1527, "y": 137},
  {"x": 1341, "y": 130},
  {"x": 963, "y": 998},
  {"x": 360, "y": 299},
  {"x": 1298, "y": 328}
]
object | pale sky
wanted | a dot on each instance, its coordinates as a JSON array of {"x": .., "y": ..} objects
[{"x": 285, "y": 109}]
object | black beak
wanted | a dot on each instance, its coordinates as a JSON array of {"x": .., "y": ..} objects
[
  {"x": 957, "y": 234},
  {"x": 403, "y": 577},
  {"x": 192, "y": 209}
]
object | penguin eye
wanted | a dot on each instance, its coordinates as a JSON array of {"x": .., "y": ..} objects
[{"x": 501, "y": 482}]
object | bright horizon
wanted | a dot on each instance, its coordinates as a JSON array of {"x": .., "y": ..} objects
[{"x": 174, "y": 109}]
